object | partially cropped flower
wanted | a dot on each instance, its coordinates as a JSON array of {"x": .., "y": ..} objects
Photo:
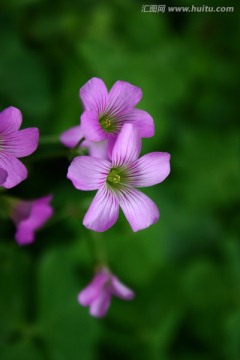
[
  {"x": 30, "y": 216},
  {"x": 72, "y": 136},
  {"x": 115, "y": 182},
  {"x": 97, "y": 295},
  {"x": 14, "y": 143},
  {"x": 106, "y": 112}
]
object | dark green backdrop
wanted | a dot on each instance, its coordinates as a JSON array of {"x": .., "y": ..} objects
[{"x": 185, "y": 270}]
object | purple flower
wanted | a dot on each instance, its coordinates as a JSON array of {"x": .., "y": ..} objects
[
  {"x": 116, "y": 180},
  {"x": 14, "y": 143},
  {"x": 30, "y": 216},
  {"x": 105, "y": 113},
  {"x": 72, "y": 136},
  {"x": 97, "y": 295}
]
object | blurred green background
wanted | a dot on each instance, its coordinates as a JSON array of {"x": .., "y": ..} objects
[{"x": 185, "y": 270}]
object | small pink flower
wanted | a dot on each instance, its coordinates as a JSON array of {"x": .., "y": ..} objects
[
  {"x": 97, "y": 295},
  {"x": 116, "y": 180},
  {"x": 30, "y": 216},
  {"x": 72, "y": 136},
  {"x": 106, "y": 112},
  {"x": 14, "y": 144}
]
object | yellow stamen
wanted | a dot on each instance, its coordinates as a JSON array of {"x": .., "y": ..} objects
[
  {"x": 107, "y": 123},
  {"x": 115, "y": 179}
]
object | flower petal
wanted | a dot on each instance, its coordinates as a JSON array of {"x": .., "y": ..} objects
[
  {"x": 103, "y": 211},
  {"x": 21, "y": 211},
  {"x": 93, "y": 290},
  {"x": 98, "y": 149},
  {"x": 21, "y": 143},
  {"x": 40, "y": 213},
  {"x": 44, "y": 200},
  {"x": 3, "y": 176},
  {"x": 127, "y": 146},
  {"x": 139, "y": 209},
  {"x": 150, "y": 169},
  {"x": 123, "y": 97},
  {"x": 10, "y": 120},
  {"x": 72, "y": 136},
  {"x": 16, "y": 171},
  {"x": 112, "y": 138},
  {"x": 91, "y": 128},
  {"x": 100, "y": 305},
  {"x": 94, "y": 95},
  {"x": 142, "y": 120},
  {"x": 120, "y": 290},
  {"x": 24, "y": 235},
  {"x": 88, "y": 173}
]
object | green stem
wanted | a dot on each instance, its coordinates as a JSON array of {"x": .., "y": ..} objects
[
  {"x": 67, "y": 153},
  {"x": 98, "y": 249},
  {"x": 49, "y": 139},
  {"x": 79, "y": 143},
  {"x": 55, "y": 139},
  {"x": 6, "y": 204},
  {"x": 76, "y": 151}
]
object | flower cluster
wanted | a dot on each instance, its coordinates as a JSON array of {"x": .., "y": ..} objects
[
  {"x": 14, "y": 144},
  {"x": 97, "y": 295},
  {"x": 112, "y": 128},
  {"x": 28, "y": 216},
  {"x": 112, "y": 116},
  {"x": 111, "y": 131}
]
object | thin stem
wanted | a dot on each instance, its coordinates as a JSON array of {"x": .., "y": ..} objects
[
  {"x": 49, "y": 139},
  {"x": 6, "y": 204},
  {"x": 55, "y": 140},
  {"x": 98, "y": 250},
  {"x": 78, "y": 144}
]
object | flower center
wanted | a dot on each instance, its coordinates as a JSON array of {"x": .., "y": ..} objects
[
  {"x": 107, "y": 123},
  {"x": 114, "y": 177},
  {"x": 118, "y": 178}
]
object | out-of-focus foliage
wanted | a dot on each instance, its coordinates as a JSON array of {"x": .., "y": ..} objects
[{"x": 186, "y": 268}]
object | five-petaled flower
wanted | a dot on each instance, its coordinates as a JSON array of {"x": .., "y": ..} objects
[
  {"x": 14, "y": 143},
  {"x": 106, "y": 112},
  {"x": 115, "y": 181},
  {"x": 30, "y": 216},
  {"x": 97, "y": 295},
  {"x": 74, "y": 135}
]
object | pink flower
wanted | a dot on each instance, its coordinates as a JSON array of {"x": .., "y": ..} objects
[
  {"x": 115, "y": 181},
  {"x": 72, "y": 136},
  {"x": 30, "y": 216},
  {"x": 105, "y": 113},
  {"x": 14, "y": 143},
  {"x": 97, "y": 295}
]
